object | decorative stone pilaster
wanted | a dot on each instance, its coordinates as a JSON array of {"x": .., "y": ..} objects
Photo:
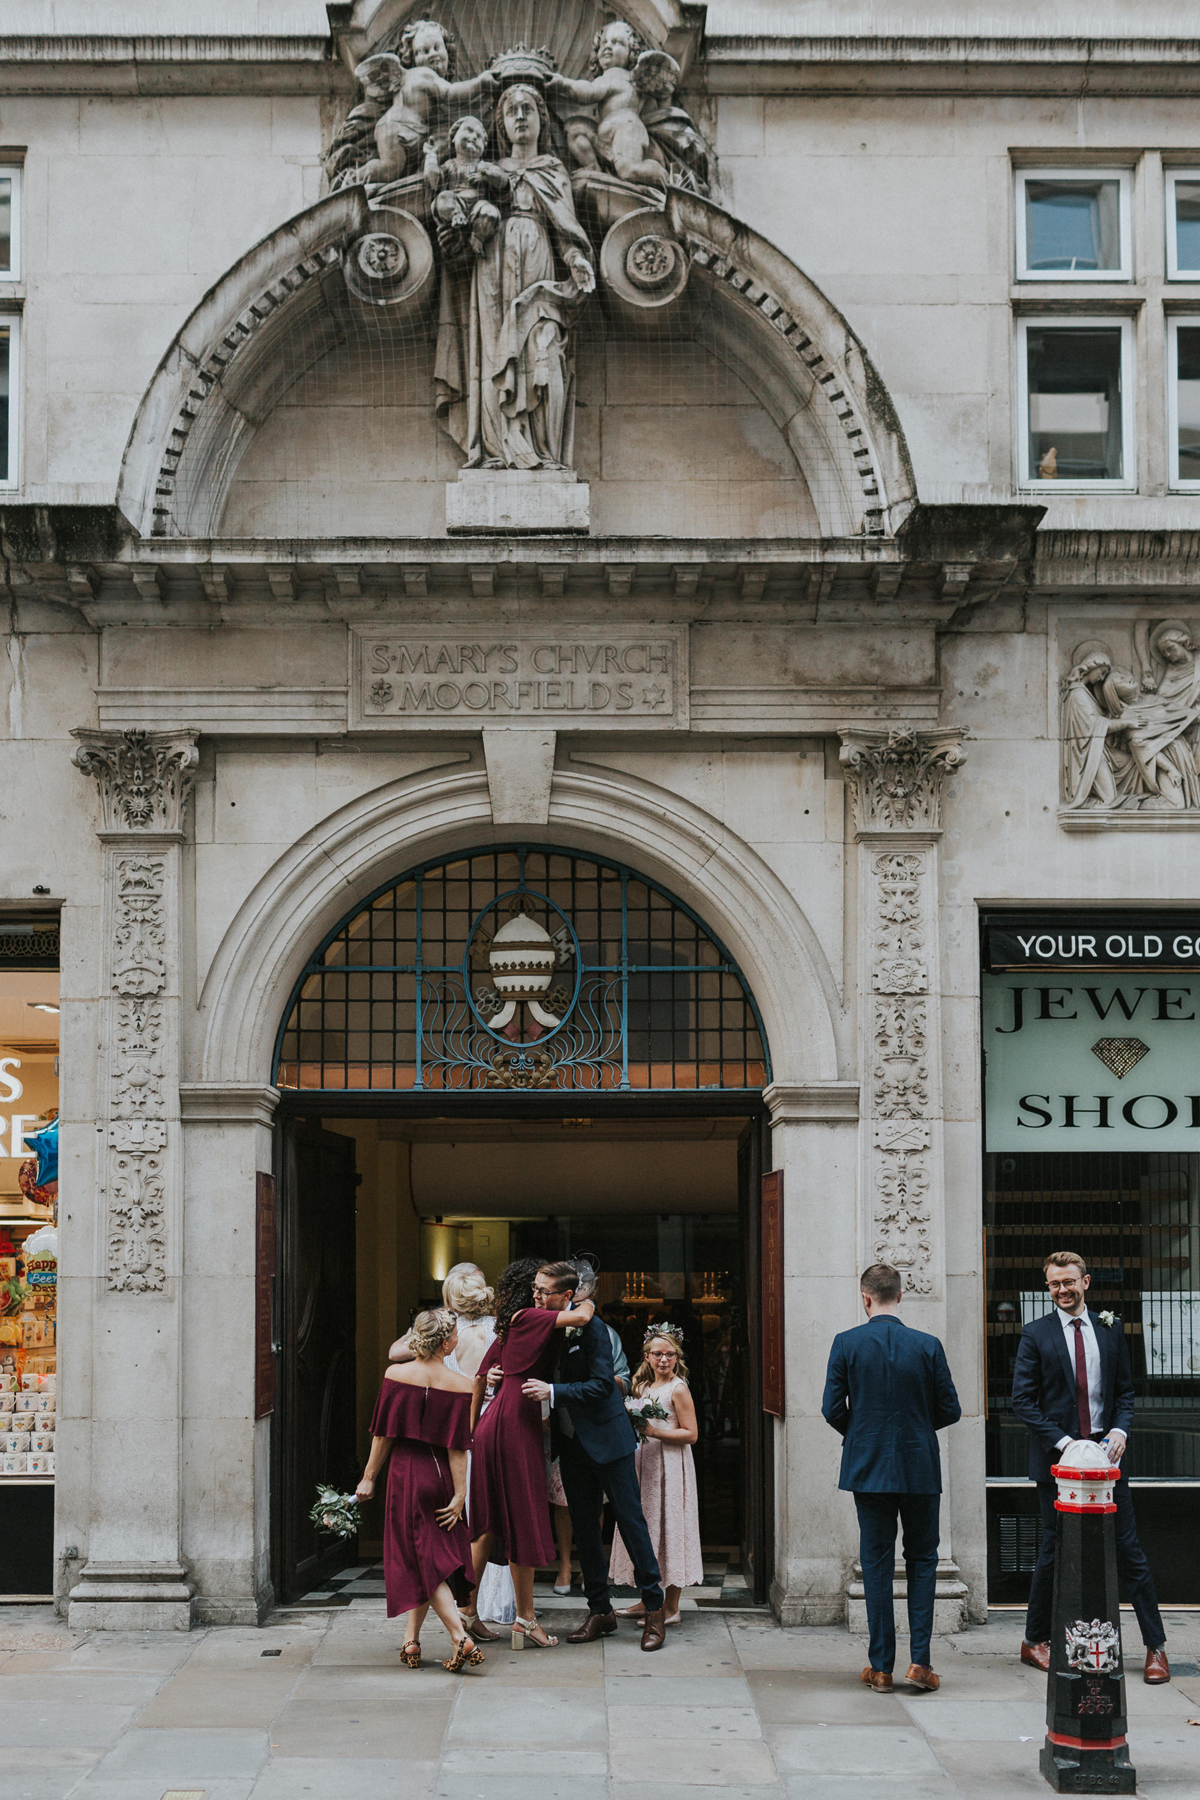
[{"x": 134, "y": 1577}]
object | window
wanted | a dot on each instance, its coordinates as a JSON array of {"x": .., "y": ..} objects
[
  {"x": 1183, "y": 401},
  {"x": 1183, "y": 224},
  {"x": 1073, "y": 225},
  {"x": 1075, "y": 403},
  {"x": 10, "y": 330},
  {"x": 10, "y": 224}
]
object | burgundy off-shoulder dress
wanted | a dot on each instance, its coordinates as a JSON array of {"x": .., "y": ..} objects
[
  {"x": 508, "y": 1458},
  {"x": 425, "y": 1424}
]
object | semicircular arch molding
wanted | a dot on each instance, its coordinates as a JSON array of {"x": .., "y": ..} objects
[
  {"x": 282, "y": 308},
  {"x": 339, "y": 863}
]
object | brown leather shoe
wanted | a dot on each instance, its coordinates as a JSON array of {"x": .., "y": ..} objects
[
  {"x": 654, "y": 1631},
  {"x": 1037, "y": 1656},
  {"x": 596, "y": 1625},
  {"x": 1158, "y": 1669},
  {"x": 878, "y": 1680},
  {"x": 921, "y": 1676}
]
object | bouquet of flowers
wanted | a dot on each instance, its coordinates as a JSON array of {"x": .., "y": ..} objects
[
  {"x": 643, "y": 1409},
  {"x": 335, "y": 1512}
]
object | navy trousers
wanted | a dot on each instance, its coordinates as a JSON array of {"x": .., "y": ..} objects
[
  {"x": 1132, "y": 1568},
  {"x": 877, "y": 1516},
  {"x": 586, "y": 1484}
]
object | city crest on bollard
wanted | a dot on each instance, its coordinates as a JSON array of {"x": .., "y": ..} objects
[{"x": 1085, "y": 1750}]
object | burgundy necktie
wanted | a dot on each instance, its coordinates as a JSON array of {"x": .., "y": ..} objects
[{"x": 1081, "y": 1382}]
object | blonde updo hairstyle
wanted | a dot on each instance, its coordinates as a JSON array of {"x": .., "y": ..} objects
[
  {"x": 429, "y": 1332},
  {"x": 466, "y": 1292}
]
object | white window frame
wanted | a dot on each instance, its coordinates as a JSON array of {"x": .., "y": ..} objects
[
  {"x": 1124, "y": 271},
  {"x": 1173, "y": 477},
  {"x": 12, "y": 320},
  {"x": 1067, "y": 322},
  {"x": 12, "y": 172},
  {"x": 1170, "y": 178}
]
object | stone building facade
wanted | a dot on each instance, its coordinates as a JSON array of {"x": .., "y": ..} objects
[{"x": 811, "y": 531}]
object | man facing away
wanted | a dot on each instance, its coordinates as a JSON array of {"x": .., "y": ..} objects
[
  {"x": 888, "y": 1392},
  {"x": 1073, "y": 1379},
  {"x": 594, "y": 1440}
]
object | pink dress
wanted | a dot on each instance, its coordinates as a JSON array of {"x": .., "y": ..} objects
[
  {"x": 418, "y": 1554},
  {"x": 508, "y": 1461},
  {"x": 671, "y": 1503}
]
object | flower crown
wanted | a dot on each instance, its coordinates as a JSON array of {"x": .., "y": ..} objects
[{"x": 665, "y": 1329}]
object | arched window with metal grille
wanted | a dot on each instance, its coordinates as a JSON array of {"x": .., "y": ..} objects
[{"x": 522, "y": 967}]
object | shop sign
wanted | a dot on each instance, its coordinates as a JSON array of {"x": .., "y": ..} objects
[
  {"x": 1091, "y": 1062},
  {"x": 42, "y": 1272},
  {"x": 1091, "y": 940}
]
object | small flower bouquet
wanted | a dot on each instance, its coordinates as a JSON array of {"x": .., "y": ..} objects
[
  {"x": 334, "y": 1512},
  {"x": 643, "y": 1409}
]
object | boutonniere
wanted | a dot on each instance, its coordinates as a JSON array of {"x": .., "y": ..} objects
[
  {"x": 573, "y": 1331},
  {"x": 1107, "y": 1318}
]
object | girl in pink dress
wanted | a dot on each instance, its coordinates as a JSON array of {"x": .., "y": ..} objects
[
  {"x": 422, "y": 1429},
  {"x": 509, "y": 1509},
  {"x": 666, "y": 1474}
]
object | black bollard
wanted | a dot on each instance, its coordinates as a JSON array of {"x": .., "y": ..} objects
[{"x": 1085, "y": 1750}]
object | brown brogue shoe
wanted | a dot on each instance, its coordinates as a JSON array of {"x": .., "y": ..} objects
[
  {"x": 1157, "y": 1669},
  {"x": 1037, "y": 1656},
  {"x": 920, "y": 1675},
  {"x": 596, "y": 1625},
  {"x": 654, "y": 1631},
  {"x": 878, "y": 1680}
]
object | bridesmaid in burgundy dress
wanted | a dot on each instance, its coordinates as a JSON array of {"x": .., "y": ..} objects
[
  {"x": 422, "y": 1422},
  {"x": 509, "y": 1508}
]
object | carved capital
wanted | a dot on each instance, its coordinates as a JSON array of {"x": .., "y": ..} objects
[
  {"x": 897, "y": 775},
  {"x": 143, "y": 776}
]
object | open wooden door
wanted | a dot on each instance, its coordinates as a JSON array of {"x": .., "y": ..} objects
[
  {"x": 758, "y": 1497},
  {"x": 313, "y": 1437}
]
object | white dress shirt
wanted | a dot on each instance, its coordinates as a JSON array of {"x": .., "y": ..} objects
[{"x": 1091, "y": 1357}]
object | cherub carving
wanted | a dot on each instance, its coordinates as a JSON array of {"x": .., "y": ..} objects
[
  {"x": 465, "y": 193},
  {"x": 419, "y": 83},
  {"x": 624, "y": 77}
]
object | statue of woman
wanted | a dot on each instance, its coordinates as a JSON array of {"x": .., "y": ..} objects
[
  {"x": 1091, "y": 709},
  {"x": 505, "y": 370},
  {"x": 1164, "y": 723}
]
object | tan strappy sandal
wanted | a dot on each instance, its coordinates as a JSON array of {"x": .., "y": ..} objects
[
  {"x": 410, "y": 1656},
  {"x": 465, "y": 1652},
  {"x": 473, "y": 1624},
  {"x": 522, "y": 1634}
]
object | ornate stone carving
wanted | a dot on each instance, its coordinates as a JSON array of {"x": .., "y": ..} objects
[
  {"x": 1131, "y": 737},
  {"x": 897, "y": 775},
  {"x": 405, "y": 99},
  {"x": 143, "y": 776},
  {"x": 139, "y": 927}
]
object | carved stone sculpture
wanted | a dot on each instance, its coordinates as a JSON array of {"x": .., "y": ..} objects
[
  {"x": 143, "y": 776},
  {"x": 1132, "y": 743},
  {"x": 897, "y": 775},
  {"x": 407, "y": 98}
]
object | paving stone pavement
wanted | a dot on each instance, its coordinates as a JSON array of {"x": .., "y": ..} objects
[{"x": 316, "y": 1704}]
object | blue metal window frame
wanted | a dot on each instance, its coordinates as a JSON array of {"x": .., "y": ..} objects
[{"x": 624, "y": 969}]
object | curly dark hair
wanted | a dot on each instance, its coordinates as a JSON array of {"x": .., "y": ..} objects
[
  {"x": 637, "y": 44},
  {"x": 514, "y": 1292},
  {"x": 404, "y": 47}
]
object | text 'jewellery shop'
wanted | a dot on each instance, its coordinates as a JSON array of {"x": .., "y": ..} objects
[{"x": 1091, "y": 1028}]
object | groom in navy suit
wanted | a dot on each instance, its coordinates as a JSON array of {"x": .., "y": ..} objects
[
  {"x": 888, "y": 1391},
  {"x": 1073, "y": 1379}
]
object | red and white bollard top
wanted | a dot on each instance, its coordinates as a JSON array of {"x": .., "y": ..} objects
[{"x": 1086, "y": 1479}]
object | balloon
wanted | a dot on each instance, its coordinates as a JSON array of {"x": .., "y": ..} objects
[{"x": 44, "y": 1144}]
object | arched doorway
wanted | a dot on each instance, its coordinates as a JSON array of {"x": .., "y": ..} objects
[{"x": 519, "y": 1050}]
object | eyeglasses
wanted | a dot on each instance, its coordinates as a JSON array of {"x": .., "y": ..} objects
[{"x": 543, "y": 1292}]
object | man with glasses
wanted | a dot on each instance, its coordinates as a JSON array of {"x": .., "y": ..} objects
[
  {"x": 593, "y": 1438},
  {"x": 1073, "y": 1379}
]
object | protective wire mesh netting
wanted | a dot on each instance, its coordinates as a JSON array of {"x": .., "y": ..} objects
[
  {"x": 522, "y": 968},
  {"x": 1135, "y": 1219},
  {"x": 687, "y": 422}
]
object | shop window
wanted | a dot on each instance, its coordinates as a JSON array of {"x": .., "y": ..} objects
[
  {"x": 1183, "y": 401},
  {"x": 1074, "y": 395},
  {"x": 10, "y": 328},
  {"x": 10, "y": 224},
  {"x": 1073, "y": 225},
  {"x": 1183, "y": 224}
]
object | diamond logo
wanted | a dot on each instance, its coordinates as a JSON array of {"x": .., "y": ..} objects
[{"x": 1120, "y": 1054}]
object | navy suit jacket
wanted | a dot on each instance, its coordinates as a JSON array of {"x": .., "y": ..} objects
[
  {"x": 1043, "y": 1389},
  {"x": 603, "y": 1429},
  {"x": 888, "y": 1391}
]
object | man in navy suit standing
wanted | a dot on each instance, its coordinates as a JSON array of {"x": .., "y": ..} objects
[
  {"x": 888, "y": 1391},
  {"x": 1073, "y": 1379}
]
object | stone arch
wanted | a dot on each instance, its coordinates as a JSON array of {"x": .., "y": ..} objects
[
  {"x": 337, "y": 864},
  {"x": 281, "y": 309}
]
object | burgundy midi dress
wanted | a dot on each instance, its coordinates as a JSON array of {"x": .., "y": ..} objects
[
  {"x": 508, "y": 1457},
  {"x": 425, "y": 1424}
]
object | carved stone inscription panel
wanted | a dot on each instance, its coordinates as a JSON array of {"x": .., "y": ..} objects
[{"x": 430, "y": 679}]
